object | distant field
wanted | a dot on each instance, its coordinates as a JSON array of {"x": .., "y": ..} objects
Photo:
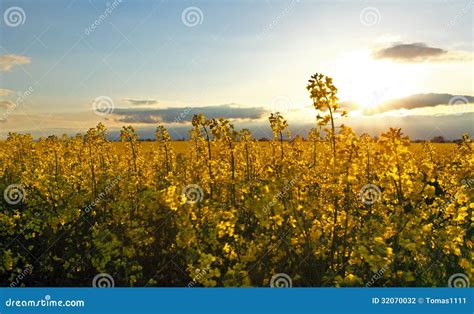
[{"x": 182, "y": 147}]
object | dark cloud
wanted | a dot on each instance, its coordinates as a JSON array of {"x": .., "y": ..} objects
[
  {"x": 183, "y": 115},
  {"x": 417, "y": 127},
  {"x": 139, "y": 102},
  {"x": 410, "y": 52},
  {"x": 419, "y": 101}
]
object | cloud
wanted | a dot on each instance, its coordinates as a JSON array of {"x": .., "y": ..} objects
[
  {"x": 6, "y": 107},
  {"x": 349, "y": 105},
  {"x": 7, "y": 104},
  {"x": 139, "y": 102},
  {"x": 8, "y": 61},
  {"x": 410, "y": 52},
  {"x": 185, "y": 114},
  {"x": 5, "y": 92},
  {"x": 418, "y": 101}
]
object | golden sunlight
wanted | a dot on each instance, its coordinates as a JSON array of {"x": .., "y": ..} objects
[{"x": 367, "y": 82}]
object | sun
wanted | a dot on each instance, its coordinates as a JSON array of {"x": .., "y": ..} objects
[{"x": 367, "y": 82}]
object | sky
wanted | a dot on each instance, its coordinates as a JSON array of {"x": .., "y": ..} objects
[{"x": 67, "y": 65}]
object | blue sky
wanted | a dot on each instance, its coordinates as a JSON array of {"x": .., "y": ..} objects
[{"x": 250, "y": 54}]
